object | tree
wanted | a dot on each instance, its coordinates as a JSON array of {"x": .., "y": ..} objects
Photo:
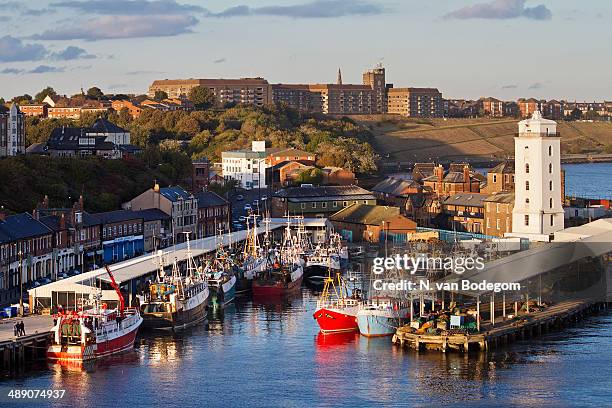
[
  {"x": 48, "y": 91},
  {"x": 95, "y": 93},
  {"x": 575, "y": 115},
  {"x": 202, "y": 98},
  {"x": 160, "y": 96},
  {"x": 310, "y": 176},
  {"x": 2, "y": 101},
  {"x": 22, "y": 99}
]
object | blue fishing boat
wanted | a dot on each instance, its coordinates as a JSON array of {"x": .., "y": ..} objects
[{"x": 381, "y": 316}]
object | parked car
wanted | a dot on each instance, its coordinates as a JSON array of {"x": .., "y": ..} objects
[
  {"x": 62, "y": 275},
  {"x": 248, "y": 207},
  {"x": 264, "y": 197},
  {"x": 239, "y": 197}
]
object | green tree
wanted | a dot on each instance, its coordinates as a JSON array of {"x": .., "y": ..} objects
[
  {"x": 22, "y": 99},
  {"x": 160, "y": 96},
  {"x": 310, "y": 176},
  {"x": 202, "y": 98},
  {"x": 95, "y": 93},
  {"x": 2, "y": 101},
  {"x": 48, "y": 91}
]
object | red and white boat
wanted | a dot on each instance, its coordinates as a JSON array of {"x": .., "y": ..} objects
[
  {"x": 336, "y": 310},
  {"x": 94, "y": 333}
]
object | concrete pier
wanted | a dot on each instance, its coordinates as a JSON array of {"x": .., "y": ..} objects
[{"x": 15, "y": 352}]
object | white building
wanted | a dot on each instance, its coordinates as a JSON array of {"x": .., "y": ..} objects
[
  {"x": 538, "y": 211},
  {"x": 246, "y": 166},
  {"x": 12, "y": 131}
]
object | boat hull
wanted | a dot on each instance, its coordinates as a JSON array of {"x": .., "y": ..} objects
[
  {"x": 224, "y": 294},
  {"x": 379, "y": 323},
  {"x": 276, "y": 289},
  {"x": 92, "y": 351},
  {"x": 336, "y": 320}
]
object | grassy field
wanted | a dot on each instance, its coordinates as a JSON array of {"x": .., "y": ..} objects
[{"x": 406, "y": 139}]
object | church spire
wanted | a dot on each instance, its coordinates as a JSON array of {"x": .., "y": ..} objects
[{"x": 339, "y": 80}]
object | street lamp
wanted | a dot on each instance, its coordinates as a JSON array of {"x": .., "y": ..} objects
[{"x": 20, "y": 283}]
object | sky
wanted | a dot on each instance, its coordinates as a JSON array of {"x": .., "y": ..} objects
[{"x": 466, "y": 48}]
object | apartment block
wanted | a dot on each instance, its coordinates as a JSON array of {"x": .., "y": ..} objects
[
  {"x": 375, "y": 79},
  {"x": 415, "y": 102},
  {"x": 254, "y": 91}
]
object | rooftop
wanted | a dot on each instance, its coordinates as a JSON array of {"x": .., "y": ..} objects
[
  {"x": 321, "y": 193},
  {"x": 209, "y": 199},
  {"x": 504, "y": 197},
  {"x": 466, "y": 199},
  {"x": 21, "y": 226},
  {"x": 175, "y": 193},
  {"x": 365, "y": 214}
]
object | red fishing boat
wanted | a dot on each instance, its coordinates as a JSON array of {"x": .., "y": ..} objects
[
  {"x": 336, "y": 310},
  {"x": 93, "y": 333},
  {"x": 284, "y": 270},
  {"x": 279, "y": 280}
]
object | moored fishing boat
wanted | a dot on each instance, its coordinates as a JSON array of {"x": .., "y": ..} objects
[
  {"x": 381, "y": 316},
  {"x": 284, "y": 271},
  {"x": 336, "y": 309},
  {"x": 254, "y": 258},
  {"x": 94, "y": 333},
  {"x": 175, "y": 302}
]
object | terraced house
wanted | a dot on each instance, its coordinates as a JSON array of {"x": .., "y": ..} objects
[{"x": 180, "y": 205}]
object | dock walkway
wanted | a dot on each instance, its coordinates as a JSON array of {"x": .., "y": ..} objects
[
  {"x": 15, "y": 351},
  {"x": 527, "y": 325}
]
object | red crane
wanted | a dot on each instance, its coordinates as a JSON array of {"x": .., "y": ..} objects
[{"x": 116, "y": 287}]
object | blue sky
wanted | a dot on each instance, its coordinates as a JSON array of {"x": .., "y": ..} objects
[{"x": 466, "y": 48}]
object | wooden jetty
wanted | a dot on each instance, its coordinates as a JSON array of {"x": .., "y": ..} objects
[{"x": 509, "y": 330}]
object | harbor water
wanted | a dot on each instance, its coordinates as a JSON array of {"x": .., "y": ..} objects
[
  {"x": 262, "y": 355},
  {"x": 271, "y": 354}
]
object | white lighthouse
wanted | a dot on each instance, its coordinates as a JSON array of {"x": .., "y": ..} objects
[{"x": 538, "y": 211}]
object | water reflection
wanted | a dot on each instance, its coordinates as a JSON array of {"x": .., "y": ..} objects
[{"x": 274, "y": 351}]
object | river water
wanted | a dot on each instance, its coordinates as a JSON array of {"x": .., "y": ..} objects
[{"x": 268, "y": 355}]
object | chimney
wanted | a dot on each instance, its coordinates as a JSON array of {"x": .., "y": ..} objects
[
  {"x": 81, "y": 202},
  {"x": 45, "y": 203},
  {"x": 62, "y": 222},
  {"x": 466, "y": 173},
  {"x": 440, "y": 172}
]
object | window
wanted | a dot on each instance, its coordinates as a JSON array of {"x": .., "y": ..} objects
[
  {"x": 527, "y": 168},
  {"x": 552, "y": 220},
  {"x": 335, "y": 204},
  {"x": 527, "y": 220},
  {"x": 495, "y": 178},
  {"x": 303, "y": 206},
  {"x": 497, "y": 208},
  {"x": 527, "y": 200},
  {"x": 497, "y": 223},
  {"x": 550, "y": 185},
  {"x": 550, "y": 150},
  {"x": 344, "y": 203},
  {"x": 323, "y": 205},
  {"x": 550, "y": 168},
  {"x": 550, "y": 203},
  {"x": 314, "y": 205},
  {"x": 527, "y": 185}
]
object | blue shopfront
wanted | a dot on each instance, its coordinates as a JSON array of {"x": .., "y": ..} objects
[{"x": 123, "y": 248}]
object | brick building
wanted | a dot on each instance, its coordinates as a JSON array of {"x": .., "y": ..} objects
[
  {"x": 372, "y": 223},
  {"x": 415, "y": 102},
  {"x": 254, "y": 91},
  {"x": 498, "y": 213}
]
